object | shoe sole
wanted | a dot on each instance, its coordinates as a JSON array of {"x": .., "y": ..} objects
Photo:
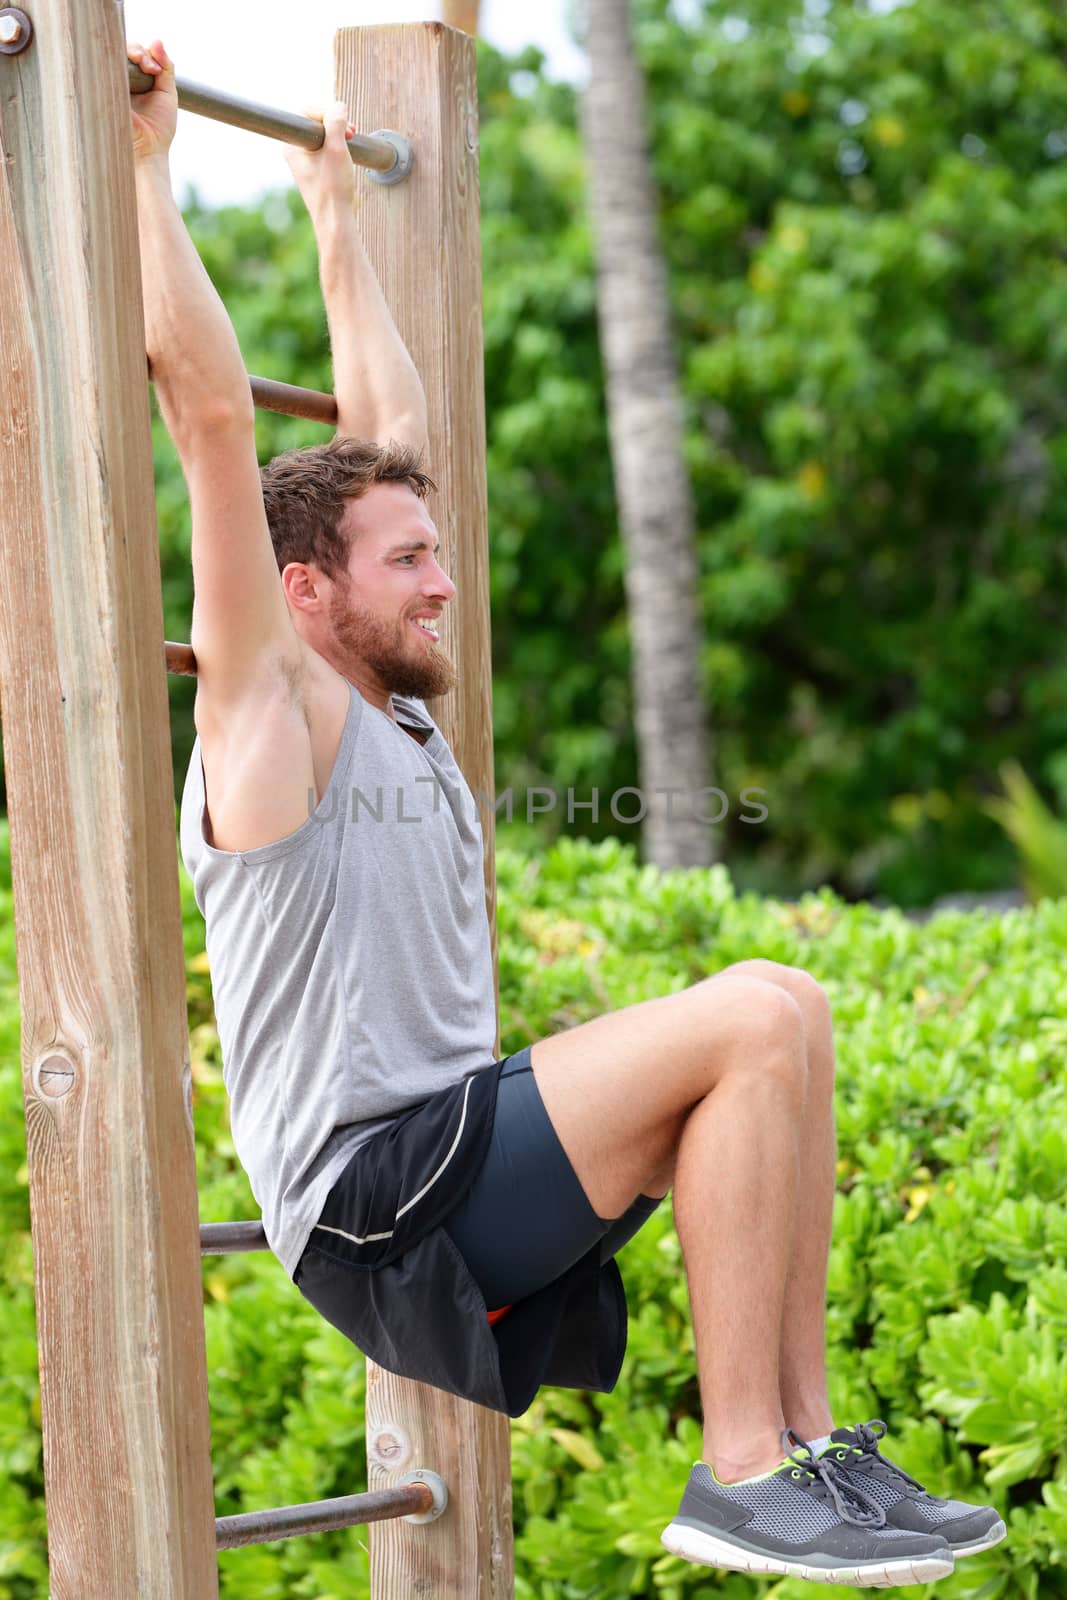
[
  {"x": 704, "y": 1549},
  {"x": 997, "y": 1532}
]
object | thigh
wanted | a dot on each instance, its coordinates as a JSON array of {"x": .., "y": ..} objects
[
  {"x": 619, "y": 1090},
  {"x": 526, "y": 1220}
]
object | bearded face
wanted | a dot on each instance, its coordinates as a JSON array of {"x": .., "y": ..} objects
[
  {"x": 378, "y": 621},
  {"x": 402, "y": 653}
]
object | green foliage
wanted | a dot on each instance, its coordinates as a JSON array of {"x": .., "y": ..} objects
[
  {"x": 1040, "y": 836},
  {"x": 947, "y": 1276},
  {"x": 863, "y": 215}
]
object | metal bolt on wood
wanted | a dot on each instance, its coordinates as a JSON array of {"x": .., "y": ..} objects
[{"x": 16, "y": 30}]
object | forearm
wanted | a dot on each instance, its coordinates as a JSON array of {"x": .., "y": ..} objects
[
  {"x": 196, "y": 362},
  {"x": 378, "y": 390}
]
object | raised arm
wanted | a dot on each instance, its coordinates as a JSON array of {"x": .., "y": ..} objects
[
  {"x": 195, "y": 361},
  {"x": 379, "y": 392},
  {"x": 241, "y": 628}
]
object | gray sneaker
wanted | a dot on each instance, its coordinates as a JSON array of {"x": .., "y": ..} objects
[
  {"x": 803, "y": 1520},
  {"x": 965, "y": 1528}
]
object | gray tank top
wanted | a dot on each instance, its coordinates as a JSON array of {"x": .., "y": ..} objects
[{"x": 350, "y": 962}]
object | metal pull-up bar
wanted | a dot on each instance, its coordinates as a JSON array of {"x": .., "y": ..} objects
[
  {"x": 289, "y": 400},
  {"x": 388, "y": 155}
]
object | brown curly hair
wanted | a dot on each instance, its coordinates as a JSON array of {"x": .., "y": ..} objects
[{"x": 304, "y": 493}]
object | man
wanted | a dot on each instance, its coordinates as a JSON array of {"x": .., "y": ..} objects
[{"x": 416, "y": 1189}]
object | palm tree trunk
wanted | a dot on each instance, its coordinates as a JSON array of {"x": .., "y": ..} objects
[{"x": 645, "y": 424}]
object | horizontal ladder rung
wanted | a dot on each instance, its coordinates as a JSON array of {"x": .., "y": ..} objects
[
  {"x": 292, "y": 401},
  {"x": 389, "y": 157},
  {"x": 288, "y": 399},
  {"x": 225, "y": 1238},
  {"x": 319, "y": 1516},
  {"x": 180, "y": 659}
]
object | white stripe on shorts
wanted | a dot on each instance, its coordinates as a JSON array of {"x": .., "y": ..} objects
[{"x": 375, "y": 1238}]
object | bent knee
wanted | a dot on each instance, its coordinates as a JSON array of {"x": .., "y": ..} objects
[
  {"x": 753, "y": 1017},
  {"x": 814, "y": 1003},
  {"x": 797, "y": 981}
]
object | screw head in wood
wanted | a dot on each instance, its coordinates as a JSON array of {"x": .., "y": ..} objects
[{"x": 16, "y": 30}]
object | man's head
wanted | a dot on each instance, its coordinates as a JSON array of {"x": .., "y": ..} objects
[{"x": 357, "y": 553}]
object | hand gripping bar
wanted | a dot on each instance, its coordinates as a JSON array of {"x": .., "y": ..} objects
[{"x": 388, "y": 155}]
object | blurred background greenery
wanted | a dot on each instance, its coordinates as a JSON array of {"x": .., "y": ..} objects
[{"x": 864, "y": 213}]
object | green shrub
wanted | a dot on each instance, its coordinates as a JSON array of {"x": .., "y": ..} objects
[
  {"x": 948, "y": 1273},
  {"x": 1040, "y": 835}
]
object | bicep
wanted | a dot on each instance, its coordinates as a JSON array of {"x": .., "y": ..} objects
[{"x": 240, "y": 616}]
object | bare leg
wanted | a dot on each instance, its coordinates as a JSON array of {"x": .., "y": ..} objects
[
  {"x": 715, "y": 1081},
  {"x": 802, "y": 1354},
  {"x": 802, "y": 1358},
  {"x": 734, "y": 1202}
]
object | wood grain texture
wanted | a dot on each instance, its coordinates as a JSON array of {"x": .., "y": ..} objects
[
  {"x": 468, "y": 1553},
  {"x": 424, "y": 241},
  {"x": 106, "y": 1075},
  {"x": 461, "y": 14}
]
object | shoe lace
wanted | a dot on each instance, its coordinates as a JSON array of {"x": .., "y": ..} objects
[
  {"x": 828, "y": 1483},
  {"x": 867, "y": 1458}
]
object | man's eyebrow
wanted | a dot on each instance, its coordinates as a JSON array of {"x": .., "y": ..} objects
[{"x": 412, "y": 544}]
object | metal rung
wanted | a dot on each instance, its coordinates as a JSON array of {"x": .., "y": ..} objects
[
  {"x": 292, "y": 401},
  {"x": 180, "y": 659},
  {"x": 422, "y": 1497},
  {"x": 289, "y": 399},
  {"x": 419, "y": 1497},
  {"x": 224, "y": 1238},
  {"x": 387, "y": 154}
]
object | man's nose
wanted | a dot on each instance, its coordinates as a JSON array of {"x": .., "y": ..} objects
[{"x": 440, "y": 582}]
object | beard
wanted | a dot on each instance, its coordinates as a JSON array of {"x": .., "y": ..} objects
[{"x": 412, "y": 666}]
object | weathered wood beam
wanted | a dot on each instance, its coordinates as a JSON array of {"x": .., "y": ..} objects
[
  {"x": 461, "y": 14},
  {"x": 424, "y": 241},
  {"x": 105, "y": 1048}
]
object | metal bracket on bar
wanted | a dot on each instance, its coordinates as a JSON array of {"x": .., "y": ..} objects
[
  {"x": 438, "y": 1488},
  {"x": 405, "y": 156}
]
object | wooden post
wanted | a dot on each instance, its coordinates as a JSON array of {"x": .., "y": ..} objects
[
  {"x": 461, "y": 14},
  {"x": 423, "y": 238},
  {"x": 106, "y": 1077}
]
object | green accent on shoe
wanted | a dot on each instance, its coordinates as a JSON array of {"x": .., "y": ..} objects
[{"x": 757, "y": 1479}]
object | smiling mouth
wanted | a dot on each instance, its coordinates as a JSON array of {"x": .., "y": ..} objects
[{"x": 427, "y": 627}]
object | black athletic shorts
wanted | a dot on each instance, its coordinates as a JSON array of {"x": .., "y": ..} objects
[
  {"x": 526, "y": 1219},
  {"x": 481, "y": 1159}
]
